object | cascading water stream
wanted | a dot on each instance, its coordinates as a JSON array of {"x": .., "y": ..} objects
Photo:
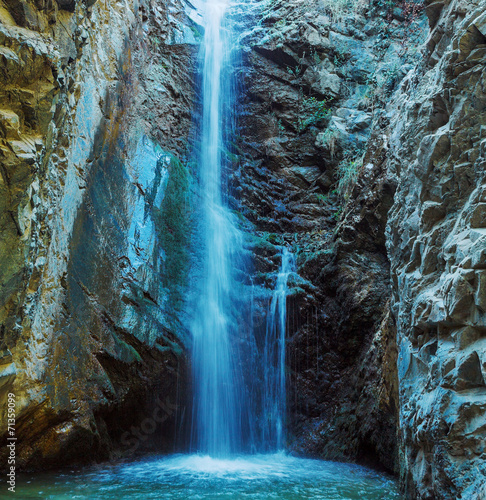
[
  {"x": 217, "y": 399},
  {"x": 221, "y": 412},
  {"x": 274, "y": 396}
]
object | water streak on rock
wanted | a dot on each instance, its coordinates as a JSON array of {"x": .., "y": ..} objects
[{"x": 274, "y": 400}]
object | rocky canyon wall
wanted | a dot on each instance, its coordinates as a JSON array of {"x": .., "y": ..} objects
[
  {"x": 359, "y": 145},
  {"x": 361, "y": 148},
  {"x": 313, "y": 175},
  {"x": 95, "y": 115},
  {"x": 436, "y": 242}
]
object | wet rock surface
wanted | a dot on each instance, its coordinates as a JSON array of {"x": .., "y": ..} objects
[
  {"x": 373, "y": 152},
  {"x": 359, "y": 144},
  {"x": 94, "y": 121}
]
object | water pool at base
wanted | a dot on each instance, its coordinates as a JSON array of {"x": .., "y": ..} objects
[{"x": 276, "y": 476}]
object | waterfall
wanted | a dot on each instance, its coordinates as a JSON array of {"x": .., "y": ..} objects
[
  {"x": 274, "y": 394},
  {"x": 226, "y": 411},
  {"x": 218, "y": 399}
]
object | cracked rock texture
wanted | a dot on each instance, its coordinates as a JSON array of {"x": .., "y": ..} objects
[
  {"x": 436, "y": 239},
  {"x": 386, "y": 346},
  {"x": 316, "y": 83},
  {"x": 95, "y": 101},
  {"x": 360, "y": 144}
]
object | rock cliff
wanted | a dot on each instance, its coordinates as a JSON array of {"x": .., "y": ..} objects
[
  {"x": 435, "y": 239},
  {"x": 361, "y": 139},
  {"x": 95, "y": 115},
  {"x": 359, "y": 144},
  {"x": 313, "y": 175}
]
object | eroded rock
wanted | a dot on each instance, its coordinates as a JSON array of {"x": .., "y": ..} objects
[{"x": 437, "y": 257}]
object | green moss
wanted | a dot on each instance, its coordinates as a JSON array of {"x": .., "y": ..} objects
[
  {"x": 337, "y": 215},
  {"x": 272, "y": 238},
  {"x": 198, "y": 35},
  {"x": 322, "y": 199},
  {"x": 173, "y": 226},
  {"x": 239, "y": 216},
  {"x": 125, "y": 352},
  {"x": 347, "y": 174},
  {"x": 232, "y": 158}
]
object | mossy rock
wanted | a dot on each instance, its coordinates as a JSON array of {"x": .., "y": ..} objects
[{"x": 173, "y": 225}]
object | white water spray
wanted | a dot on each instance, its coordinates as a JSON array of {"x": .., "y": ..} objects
[{"x": 226, "y": 413}]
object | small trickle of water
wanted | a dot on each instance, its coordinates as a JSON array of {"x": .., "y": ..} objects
[{"x": 274, "y": 395}]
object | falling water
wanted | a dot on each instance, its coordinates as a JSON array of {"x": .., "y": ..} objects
[
  {"x": 224, "y": 419},
  {"x": 274, "y": 396},
  {"x": 217, "y": 392}
]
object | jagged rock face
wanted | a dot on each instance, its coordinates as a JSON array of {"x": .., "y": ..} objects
[
  {"x": 436, "y": 240},
  {"x": 95, "y": 107},
  {"x": 315, "y": 83}
]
